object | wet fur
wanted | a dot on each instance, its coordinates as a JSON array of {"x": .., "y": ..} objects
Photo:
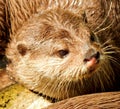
[
  {"x": 4, "y": 34},
  {"x": 109, "y": 100},
  {"x": 38, "y": 30}
]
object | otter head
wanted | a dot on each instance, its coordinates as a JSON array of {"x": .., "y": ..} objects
[{"x": 57, "y": 54}]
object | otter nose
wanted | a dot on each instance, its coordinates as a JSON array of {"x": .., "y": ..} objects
[{"x": 91, "y": 53}]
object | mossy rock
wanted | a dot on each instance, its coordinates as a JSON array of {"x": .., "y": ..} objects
[
  {"x": 18, "y": 97},
  {"x": 9, "y": 94}
]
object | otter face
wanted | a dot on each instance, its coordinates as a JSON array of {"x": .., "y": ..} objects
[{"x": 56, "y": 54}]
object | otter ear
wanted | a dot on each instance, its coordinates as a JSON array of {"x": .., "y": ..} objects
[{"x": 22, "y": 49}]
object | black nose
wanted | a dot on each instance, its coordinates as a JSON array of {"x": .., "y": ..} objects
[
  {"x": 91, "y": 54},
  {"x": 97, "y": 55}
]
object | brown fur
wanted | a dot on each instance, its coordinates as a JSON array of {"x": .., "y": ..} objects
[
  {"x": 110, "y": 100},
  {"x": 43, "y": 31},
  {"x": 3, "y": 27}
]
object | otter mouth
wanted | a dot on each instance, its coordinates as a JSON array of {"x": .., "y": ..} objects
[{"x": 51, "y": 99}]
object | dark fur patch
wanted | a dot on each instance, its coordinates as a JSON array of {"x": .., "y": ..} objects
[{"x": 22, "y": 49}]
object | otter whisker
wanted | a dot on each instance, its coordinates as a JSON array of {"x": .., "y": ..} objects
[
  {"x": 101, "y": 82},
  {"x": 107, "y": 47},
  {"x": 111, "y": 47},
  {"x": 105, "y": 28},
  {"x": 110, "y": 52},
  {"x": 114, "y": 60},
  {"x": 58, "y": 83},
  {"x": 60, "y": 87},
  {"x": 52, "y": 89},
  {"x": 107, "y": 73},
  {"x": 75, "y": 76},
  {"x": 109, "y": 41},
  {"x": 78, "y": 73},
  {"x": 95, "y": 79},
  {"x": 110, "y": 8},
  {"x": 75, "y": 73},
  {"x": 68, "y": 88}
]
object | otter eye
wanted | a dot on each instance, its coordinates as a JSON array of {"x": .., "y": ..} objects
[{"x": 63, "y": 53}]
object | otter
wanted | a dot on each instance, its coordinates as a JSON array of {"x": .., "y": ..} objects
[{"x": 62, "y": 49}]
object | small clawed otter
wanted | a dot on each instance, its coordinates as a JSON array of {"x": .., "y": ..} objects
[{"x": 63, "y": 52}]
